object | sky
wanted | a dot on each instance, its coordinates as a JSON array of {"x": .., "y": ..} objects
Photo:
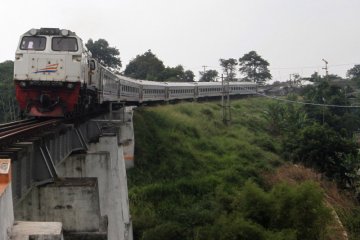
[{"x": 293, "y": 36}]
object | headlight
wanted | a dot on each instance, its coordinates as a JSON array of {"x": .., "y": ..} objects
[
  {"x": 22, "y": 84},
  {"x": 33, "y": 31},
  {"x": 64, "y": 32}
]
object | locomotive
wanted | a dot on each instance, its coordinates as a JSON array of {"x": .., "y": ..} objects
[{"x": 55, "y": 76}]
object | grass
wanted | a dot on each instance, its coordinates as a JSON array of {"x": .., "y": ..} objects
[{"x": 191, "y": 169}]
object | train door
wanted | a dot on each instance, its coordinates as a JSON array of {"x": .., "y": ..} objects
[
  {"x": 92, "y": 72},
  {"x": 118, "y": 89},
  {"x": 196, "y": 92},
  {"x": 167, "y": 93},
  {"x": 141, "y": 93},
  {"x": 101, "y": 85}
]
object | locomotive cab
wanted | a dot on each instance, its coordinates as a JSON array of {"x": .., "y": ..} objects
[{"x": 50, "y": 67}]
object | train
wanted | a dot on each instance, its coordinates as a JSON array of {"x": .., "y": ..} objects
[{"x": 56, "y": 76}]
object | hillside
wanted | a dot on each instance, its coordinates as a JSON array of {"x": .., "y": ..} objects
[{"x": 196, "y": 178}]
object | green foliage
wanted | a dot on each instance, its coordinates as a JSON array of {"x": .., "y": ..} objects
[
  {"x": 286, "y": 208},
  {"x": 318, "y": 136},
  {"x": 105, "y": 54},
  {"x": 176, "y": 74},
  {"x": 285, "y": 118},
  {"x": 315, "y": 77},
  {"x": 8, "y": 106},
  {"x": 321, "y": 147},
  {"x": 254, "y": 67},
  {"x": 229, "y": 68},
  {"x": 351, "y": 220},
  {"x": 324, "y": 93},
  {"x": 354, "y": 73},
  {"x": 188, "y": 76},
  {"x": 167, "y": 230},
  {"x": 208, "y": 76},
  {"x": 192, "y": 172},
  {"x": 148, "y": 67}
]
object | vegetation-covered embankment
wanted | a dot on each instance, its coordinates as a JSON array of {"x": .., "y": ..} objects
[{"x": 196, "y": 178}]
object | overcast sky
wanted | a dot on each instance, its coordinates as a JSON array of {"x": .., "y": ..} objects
[{"x": 293, "y": 36}]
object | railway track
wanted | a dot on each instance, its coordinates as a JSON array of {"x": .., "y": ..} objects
[{"x": 14, "y": 131}]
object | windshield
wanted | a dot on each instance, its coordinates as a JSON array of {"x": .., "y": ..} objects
[
  {"x": 64, "y": 44},
  {"x": 33, "y": 43}
]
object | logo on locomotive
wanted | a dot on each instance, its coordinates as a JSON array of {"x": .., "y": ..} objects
[{"x": 50, "y": 68}]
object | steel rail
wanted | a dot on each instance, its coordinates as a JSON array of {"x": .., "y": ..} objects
[
  {"x": 26, "y": 129},
  {"x": 2, "y": 125},
  {"x": 16, "y": 125}
]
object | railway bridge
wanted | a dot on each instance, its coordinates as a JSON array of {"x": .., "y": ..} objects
[{"x": 66, "y": 180}]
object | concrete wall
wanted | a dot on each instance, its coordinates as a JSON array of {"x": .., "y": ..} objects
[
  {"x": 6, "y": 201},
  {"x": 105, "y": 161},
  {"x": 74, "y": 202},
  {"x": 122, "y": 119},
  {"x": 127, "y": 139},
  {"x": 37, "y": 231},
  {"x": 6, "y": 212}
]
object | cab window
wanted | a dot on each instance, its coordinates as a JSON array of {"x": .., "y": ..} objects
[
  {"x": 64, "y": 44},
  {"x": 33, "y": 43}
]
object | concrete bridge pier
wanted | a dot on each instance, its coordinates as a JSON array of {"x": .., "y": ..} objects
[
  {"x": 80, "y": 179},
  {"x": 105, "y": 162},
  {"x": 20, "y": 230},
  {"x": 6, "y": 202}
]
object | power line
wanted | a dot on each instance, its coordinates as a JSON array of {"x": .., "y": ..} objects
[
  {"x": 308, "y": 103},
  {"x": 303, "y": 103}
]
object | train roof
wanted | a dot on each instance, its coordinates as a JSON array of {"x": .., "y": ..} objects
[
  {"x": 180, "y": 84},
  {"x": 49, "y": 32},
  {"x": 140, "y": 81},
  {"x": 219, "y": 83}
]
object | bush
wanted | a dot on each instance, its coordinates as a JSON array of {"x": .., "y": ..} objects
[
  {"x": 300, "y": 208},
  {"x": 168, "y": 230}
]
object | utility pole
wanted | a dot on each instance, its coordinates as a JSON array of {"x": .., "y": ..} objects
[
  {"x": 204, "y": 68},
  {"x": 326, "y": 67},
  {"x": 226, "y": 107},
  {"x": 222, "y": 97}
]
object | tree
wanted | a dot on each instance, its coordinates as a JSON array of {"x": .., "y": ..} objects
[
  {"x": 8, "y": 107},
  {"x": 294, "y": 81},
  {"x": 105, "y": 54},
  {"x": 146, "y": 66},
  {"x": 176, "y": 74},
  {"x": 315, "y": 77},
  {"x": 228, "y": 66},
  {"x": 333, "y": 77},
  {"x": 172, "y": 74},
  {"x": 326, "y": 93},
  {"x": 208, "y": 76},
  {"x": 188, "y": 76},
  {"x": 254, "y": 67},
  {"x": 321, "y": 147},
  {"x": 354, "y": 73}
]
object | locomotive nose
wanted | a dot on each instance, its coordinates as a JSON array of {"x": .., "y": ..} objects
[{"x": 45, "y": 100}]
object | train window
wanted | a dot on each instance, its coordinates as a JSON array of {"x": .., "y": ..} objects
[
  {"x": 64, "y": 44},
  {"x": 33, "y": 43}
]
